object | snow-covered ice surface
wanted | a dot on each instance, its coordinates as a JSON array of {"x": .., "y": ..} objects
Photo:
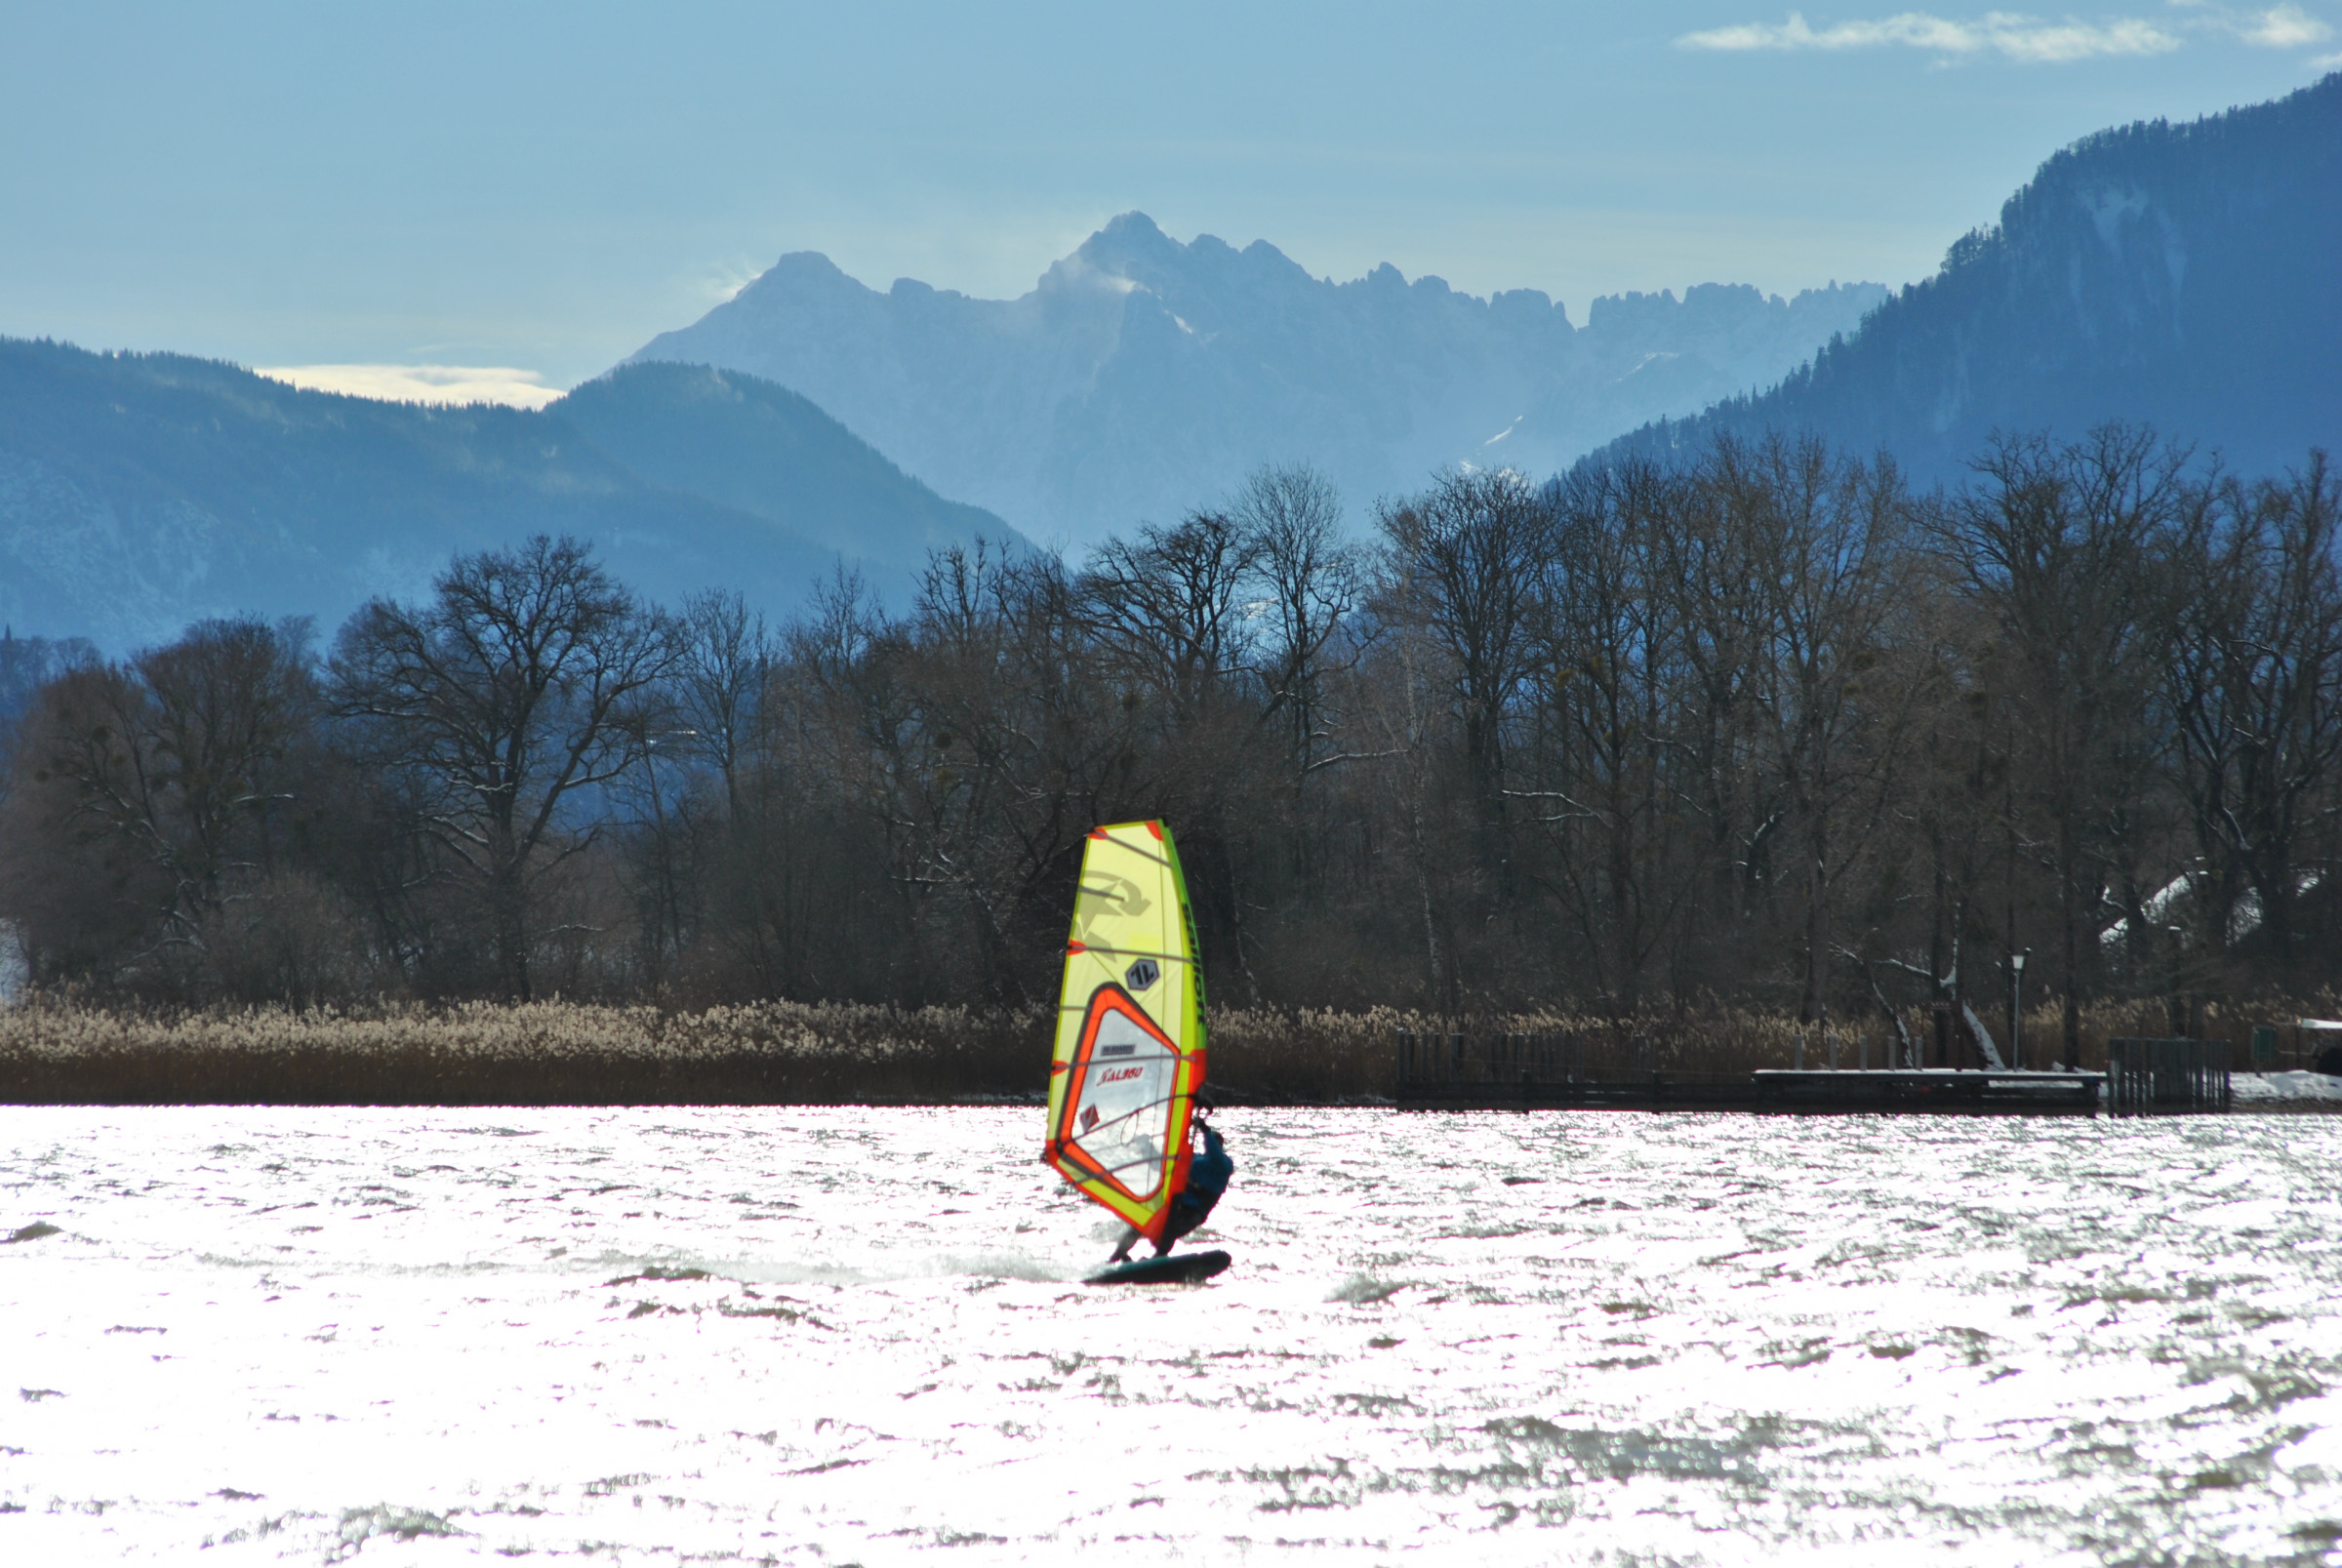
[
  {"x": 655, "y": 1336},
  {"x": 2251, "y": 1088}
]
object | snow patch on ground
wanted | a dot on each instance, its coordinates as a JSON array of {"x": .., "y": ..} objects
[{"x": 2257, "y": 1088}]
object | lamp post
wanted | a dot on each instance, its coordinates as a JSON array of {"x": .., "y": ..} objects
[{"x": 2017, "y": 1007}]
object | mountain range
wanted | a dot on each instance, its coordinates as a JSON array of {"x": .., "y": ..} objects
[
  {"x": 139, "y": 492},
  {"x": 2185, "y": 276},
  {"x": 2188, "y": 277},
  {"x": 1142, "y": 376}
]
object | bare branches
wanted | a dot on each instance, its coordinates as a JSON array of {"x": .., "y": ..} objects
[
  {"x": 515, "y": 690},
  {"x": 1642, "y": 736}
]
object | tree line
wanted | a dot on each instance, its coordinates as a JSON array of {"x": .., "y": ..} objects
[{"x": 1764, "y": 725}]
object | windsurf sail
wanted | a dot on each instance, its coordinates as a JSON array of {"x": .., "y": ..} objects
[{"x": 1130, "y": 1045}]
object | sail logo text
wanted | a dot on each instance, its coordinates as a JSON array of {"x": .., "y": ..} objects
[{"x": 1121, "y": 1075}]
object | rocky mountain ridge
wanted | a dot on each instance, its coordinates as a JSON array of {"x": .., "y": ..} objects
[{"x": 1142, "y": 376}]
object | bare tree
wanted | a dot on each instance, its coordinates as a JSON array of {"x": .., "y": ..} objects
[
  {"x": 1606, "y": 702},
  {"x": 1830, "y": 574},
  {"x": 2253, "y": 679},
  {"x": 722, "y": 659},
  {"x": 182, "y": 763},
  {"x": 28, "y": 664},
  {"x": 1292, "y": 518},
  {"x": 1467, "y": 562},
  {"x": 1166, "y": 608},
  {"x": 2059, "y": 545},
  {"x": 511, "y": 695}
]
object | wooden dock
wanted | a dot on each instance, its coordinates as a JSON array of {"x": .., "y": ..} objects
[
  {"x": 2004, "y": 1091},
  {"x": 1465, "y": 1071}
]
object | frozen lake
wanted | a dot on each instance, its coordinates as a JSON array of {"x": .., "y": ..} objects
[{"x": 416, "y": 1337}]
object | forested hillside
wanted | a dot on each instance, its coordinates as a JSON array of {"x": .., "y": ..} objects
[
  {"x": 142, "y": 492},
  {"x": 747, "y": 443},
  {"x": 2187, "y": 275}
]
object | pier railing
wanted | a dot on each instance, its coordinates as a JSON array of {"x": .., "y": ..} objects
[{"x": 2144, "y": 1075}]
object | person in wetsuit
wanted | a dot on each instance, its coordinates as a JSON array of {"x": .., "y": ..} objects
[{"x": 1208, "y": 1172}]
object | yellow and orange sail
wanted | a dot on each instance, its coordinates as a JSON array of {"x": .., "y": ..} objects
[{"x": 1130, "y": 1048}]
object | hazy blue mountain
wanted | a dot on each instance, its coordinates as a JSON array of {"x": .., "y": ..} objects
[
  {"x": 2187, "y": 276},
  {"x": 1143, "y": 376},
  {"x": 749, "y": 443},
  {"x": 140, "y": 491}
]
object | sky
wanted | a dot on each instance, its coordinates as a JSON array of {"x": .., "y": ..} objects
[{"x": 507, "y": 198}]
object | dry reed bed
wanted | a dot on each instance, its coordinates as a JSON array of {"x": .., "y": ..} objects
[
  {"x": 767, "y": 1053},
  {"x": 534, "y": 1052},
  {"x": 568, "y": 1053}
]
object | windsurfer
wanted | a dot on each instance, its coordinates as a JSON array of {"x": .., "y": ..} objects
[{"x": 1208, "y": 1174}]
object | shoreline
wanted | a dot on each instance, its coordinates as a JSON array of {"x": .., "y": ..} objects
[{"x": 563, "y": 1053}]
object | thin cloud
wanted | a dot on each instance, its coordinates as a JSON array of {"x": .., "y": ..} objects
[
  {"x": 721, "y": 283},
  {"x": 2284, "y": 27},
  {"x": 420, "y": 383},
  {"x": 2011, "y": 35},
  {"x": 2032, "y": 40}
]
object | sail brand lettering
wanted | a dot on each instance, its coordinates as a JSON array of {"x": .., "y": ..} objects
[
  {"x": 1124, "y": 1049},
  {"x": 1121, "y": 1075}
]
